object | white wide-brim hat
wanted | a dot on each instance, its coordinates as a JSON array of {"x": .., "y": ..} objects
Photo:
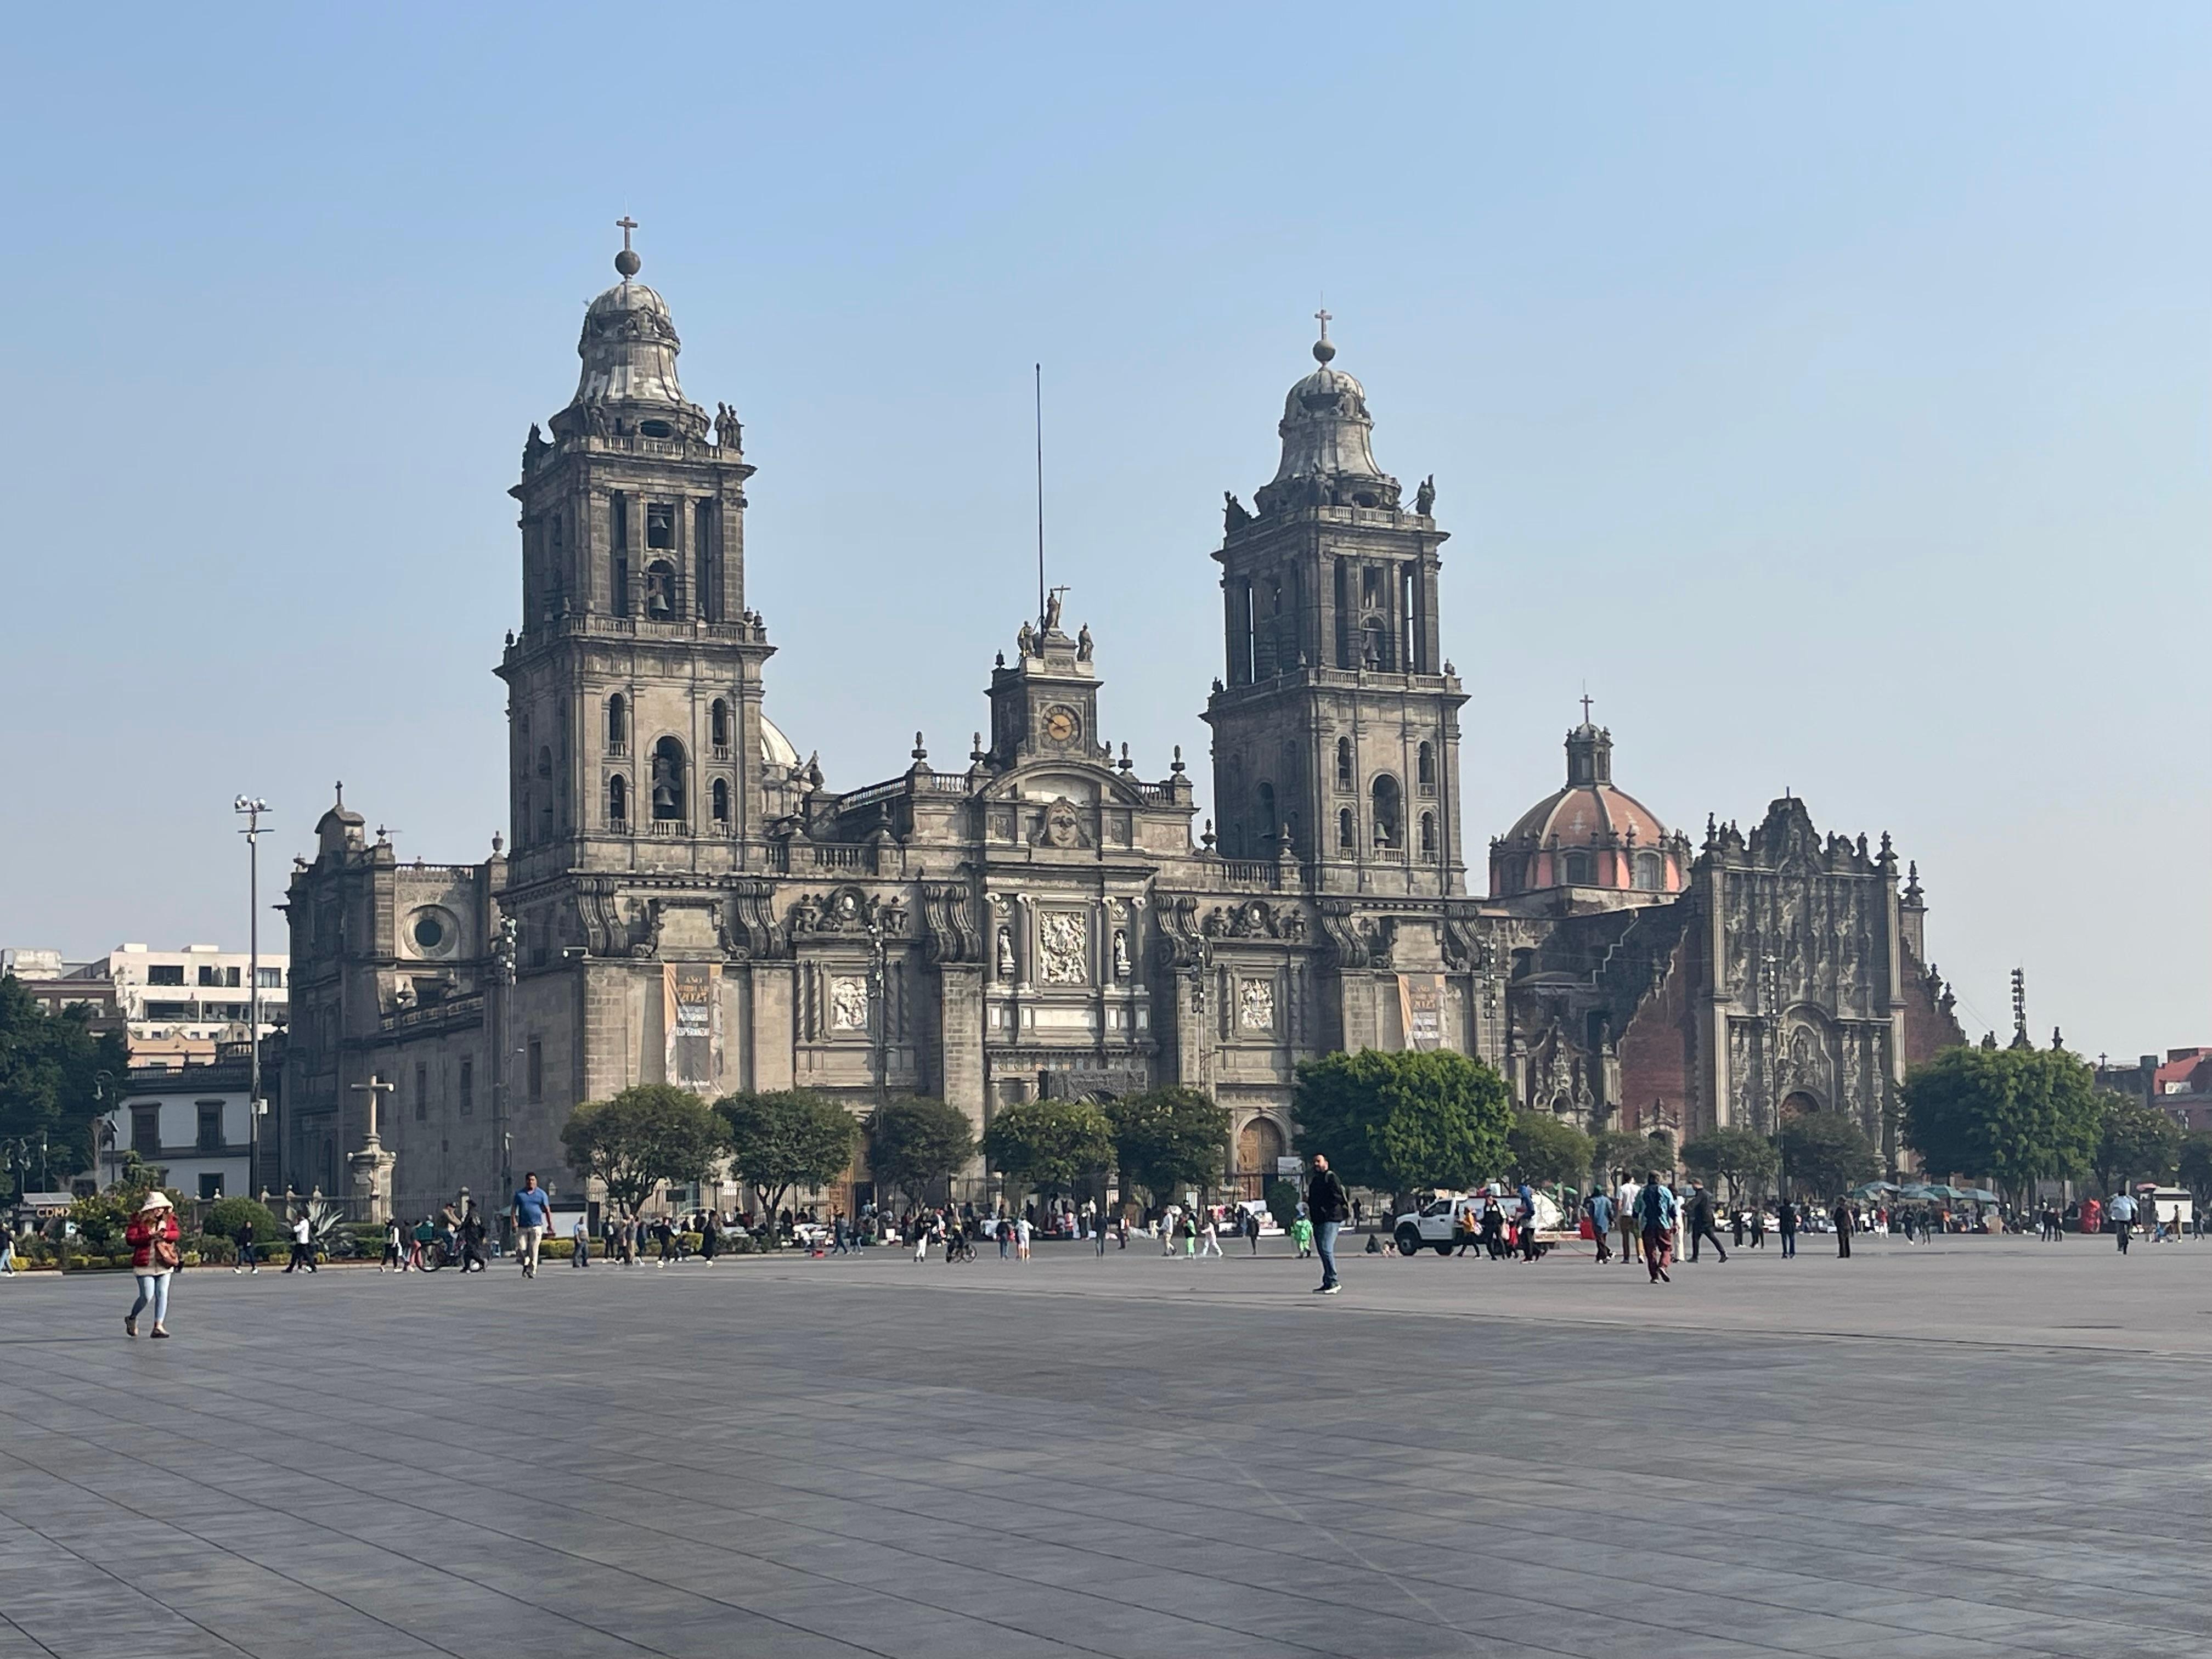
[{"x": 155, "y": 1201}]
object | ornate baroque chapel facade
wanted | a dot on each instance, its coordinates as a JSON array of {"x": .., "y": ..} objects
[{"x": 685, "y": 900}]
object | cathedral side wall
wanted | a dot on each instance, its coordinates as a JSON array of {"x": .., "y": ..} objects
[{"x": 1657, "y": 1074}]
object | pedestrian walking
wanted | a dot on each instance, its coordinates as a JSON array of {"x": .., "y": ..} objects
[
  {"x": 390, "y": 1262},
  {"x": 1524, "y": 1221},
  {"x": 474, "y": 1241},
  {"x": 838, "y": 1246},
  {"x": 1599, "y": 1208},
  {"x": 1655, "y": 1212},
  {"x": 533, "y": 1209},
  {"x": 1209, "y": 1236},
  {"x": 2122, "y": 1210},
  {"x": 303, "y": 1247},
  {"x": 1701, "y": 1220},
  {"x": 1024, "y": 1227},
  {"x": 1841, "y": 1215},
  {"x": 921, "y": 1240},
  {"x": 1302, "y": 1236},
  {"x": 152, "y": 1236},
  {"x": 1327, "y": 1203},
  {"x": 1786, "y": 1220},
  {"x": 1759, "y": 1226},
  {"x": 1624, "y": 1214},
  {"x": 1251, "y": 1225},
  {"x": 6, "y": 1252},
  {"x": 580, "y": 1251},
  {"x": 418, "y": 1245},
  {"x": 249, "y": 1259},
  {"x": 1099, "y": 1229}
]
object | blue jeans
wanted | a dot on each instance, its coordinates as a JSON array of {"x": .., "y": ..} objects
[
  {"x": 153, "y": 1288},
  {"x": 1325, "y": 1242}
]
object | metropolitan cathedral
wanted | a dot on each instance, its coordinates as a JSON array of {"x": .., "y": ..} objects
[{"x": 685, "y": 899}]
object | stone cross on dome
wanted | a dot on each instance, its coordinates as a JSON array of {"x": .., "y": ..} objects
[
  {"x": 627, "y": 262},
  {"x": 1586, "y": 708}
]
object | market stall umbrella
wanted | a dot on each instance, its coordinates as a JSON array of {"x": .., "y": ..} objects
[
  {"x": 1874, "y": 1188},
  {"x": 1981, "y": 1195},
  {"x": 1920, "y": 1191}
]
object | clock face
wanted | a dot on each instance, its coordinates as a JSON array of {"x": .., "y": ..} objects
[{"x": 1061, "y": 724}]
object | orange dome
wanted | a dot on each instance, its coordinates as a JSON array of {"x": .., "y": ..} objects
[{"x": 1588, "y": 833}]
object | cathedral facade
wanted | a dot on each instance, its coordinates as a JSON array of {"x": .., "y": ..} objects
[{"x": 684, "y": 899}]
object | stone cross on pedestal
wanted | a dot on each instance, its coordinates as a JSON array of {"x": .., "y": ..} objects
[{"x": 372, "y": 1165}]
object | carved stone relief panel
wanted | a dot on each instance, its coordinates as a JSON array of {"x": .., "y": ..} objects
[
  {"x": 1255, "y": 1005},
  {"x": 1064, "y": 947},
  {"x": 848, "y": 1002}
]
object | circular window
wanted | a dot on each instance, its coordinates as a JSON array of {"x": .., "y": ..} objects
[
  {"x": 430, "y": 932},
  {"x": 433, "y": 931}
]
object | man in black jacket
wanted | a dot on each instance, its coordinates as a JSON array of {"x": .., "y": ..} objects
[
  {"x": 1326, "y": 1207},
  {"x": 1701, "y": 1220}
]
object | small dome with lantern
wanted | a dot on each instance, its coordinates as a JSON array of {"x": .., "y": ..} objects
[{"x": 1589, "y": 833}]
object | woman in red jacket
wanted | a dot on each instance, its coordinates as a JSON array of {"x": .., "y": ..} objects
[{"x": 151, "y": 1236}]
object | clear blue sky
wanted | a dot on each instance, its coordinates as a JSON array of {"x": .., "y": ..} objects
[{"x": 1826, "y": 386}]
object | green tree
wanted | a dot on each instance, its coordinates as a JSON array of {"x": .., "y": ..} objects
[
  {"x": 1658, "y": 1152},
  {"x": 914, "y": 1144},
  {"x": 1827, "y": 1153},
  {"x": 1052, "y": 1146},
  {"x": 648, "y": 1134},
  {"x": 226, "y": 1215},
  {"x": 1283, "y": 1201},
  {"x": 1742, "y": 1157},
  {"x": 789, "y": 1137},
  {"x": 1166, "y": 1140},
  {"x": 2193, "y": 1164},
  {"x": 49, "y": 1080},
  {"x": 2135, "y": 1142},
  {"x": 1545, "y": 1149},
  {"x": 2013, "y": 1116},
  {"x": 1397, "y": 1121},
  {"x": 1619, "y": 1151}
]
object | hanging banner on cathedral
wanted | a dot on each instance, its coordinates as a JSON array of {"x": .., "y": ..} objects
[
  {"x": 691, "y": 1015},
  {"x": 1421, "y": 1007}
]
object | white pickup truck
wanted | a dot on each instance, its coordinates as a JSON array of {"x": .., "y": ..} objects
[{"x": 1436, "y": 1226}]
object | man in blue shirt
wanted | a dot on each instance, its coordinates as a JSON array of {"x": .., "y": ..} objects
[
  {"x": 533, "y": 1209},
  {"x": 1599, "y": 1208}
]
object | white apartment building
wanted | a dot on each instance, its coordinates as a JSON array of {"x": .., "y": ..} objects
[{"x": 178, "y": 1004}]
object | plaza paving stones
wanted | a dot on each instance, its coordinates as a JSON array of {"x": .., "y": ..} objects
[{"x": 1976, "y": 1447}]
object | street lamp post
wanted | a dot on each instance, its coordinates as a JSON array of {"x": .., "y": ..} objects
[
  {"x": 252, "y": 808},
  {"x": 504, "y": 963}
]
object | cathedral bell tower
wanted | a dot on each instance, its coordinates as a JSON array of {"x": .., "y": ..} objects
[
  {"x": 1336, "y": 733},
  {"x": 634, "y": 711}
]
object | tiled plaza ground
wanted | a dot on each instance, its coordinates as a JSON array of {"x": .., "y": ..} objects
[{"x": 1975, "y": 1448}]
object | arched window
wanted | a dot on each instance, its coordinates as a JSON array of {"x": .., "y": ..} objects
[
  {"x": 718, "y": 721},
  {"x": 1348, "y": 832},
  {"x": 1650, "y": 872},
  {"x": 1428, "y": 835},
  {"x": 1344, "y": 763},
  {"x": 1390, "y": 816},
  {"x": 668, "y": 781},
  {"x": 617, "y": 724},
  {"x": 1427, "y": 772},
  {"x": 618, "y": 802},
  {"x": 545, "y": 763},
  {"x": 1577, "y": 871},
  {"x": 1266, "y": 799},
  {"x": 661, "y": 591},
  {"x": 722, "y": 801}
]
